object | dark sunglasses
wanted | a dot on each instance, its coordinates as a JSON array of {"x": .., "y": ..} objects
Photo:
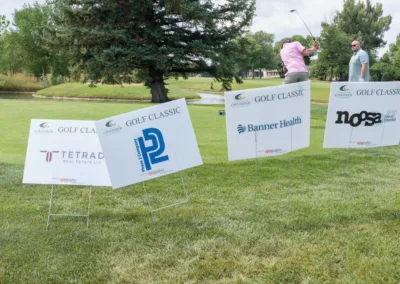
[{"x": 353, "y": 45}]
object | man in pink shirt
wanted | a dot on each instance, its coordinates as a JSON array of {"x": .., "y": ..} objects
[{"x": 292, "y": 53}]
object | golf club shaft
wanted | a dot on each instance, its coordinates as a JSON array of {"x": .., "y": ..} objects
[{"x": 305, "y": 25}]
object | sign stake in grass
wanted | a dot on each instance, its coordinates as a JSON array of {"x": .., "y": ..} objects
[
  {"x": 287, "y": 199},
  {"x": 185, "y": 201},
  {"x": 67, "y": 214}
]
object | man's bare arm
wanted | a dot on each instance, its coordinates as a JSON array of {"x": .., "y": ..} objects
[
  {"x": 309, "y": 51},
  {"x": 363, "y": 70}
]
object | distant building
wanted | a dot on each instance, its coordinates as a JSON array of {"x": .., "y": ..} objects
[{"x": 263, "y": 73}]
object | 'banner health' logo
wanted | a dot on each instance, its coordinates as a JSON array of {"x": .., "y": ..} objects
[
  {"x": 152, "y": 154},
  {"x": 241, "y": 128}
]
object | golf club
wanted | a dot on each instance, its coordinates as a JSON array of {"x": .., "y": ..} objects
[{"x": 294, "y": 10}]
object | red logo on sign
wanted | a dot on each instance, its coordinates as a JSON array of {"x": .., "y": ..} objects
[{"x": 49, "y": 155}]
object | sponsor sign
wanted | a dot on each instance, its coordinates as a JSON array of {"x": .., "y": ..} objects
[
  {"x": 64, "y": 152},
  {"x": 267, "y": 122},
  {"x": 363, "y": 115},
  {"x": 148, "y": 143}
]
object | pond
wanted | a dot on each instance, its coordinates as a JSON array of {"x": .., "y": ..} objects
[
  {"x": 206, "y": 99},
  {"x": 17, "y": 96}
]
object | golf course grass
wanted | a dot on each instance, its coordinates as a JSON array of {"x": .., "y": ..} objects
[
  {"x": 181, "y": 88},
  {"x": 304, "y": 217},
  {"x": 127, "y": 92}
]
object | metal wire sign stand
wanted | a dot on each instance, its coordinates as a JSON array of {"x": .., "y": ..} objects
[
  {"x": 87, "y": 216},
  {"x": 257, "y": 170}
]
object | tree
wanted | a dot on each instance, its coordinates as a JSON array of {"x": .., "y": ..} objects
[
  {"x": 158, "y": 37},
  {"x": 388, "y": 67},
  {"x": 30, "y": 23},
  {"x": 3, "y": 23},
  {"x": 256, "y": 52},
  {"x": 29, "y": 34},
  {"x": 278, "y": 60},
  {"x": 365, "y": 22},
  {"x": 11, "y": 55},
  {"x": 335, "y": 54}
]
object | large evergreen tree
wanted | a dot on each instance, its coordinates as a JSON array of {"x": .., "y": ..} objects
[{"x": 158, "y": 37}]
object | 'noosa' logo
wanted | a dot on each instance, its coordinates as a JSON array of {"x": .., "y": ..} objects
[
  {"x": 239, "y": 97},
  {"x": 110, "y": 124},
  {"x": 44, "y": 125},
  {"x": 241, "y": 128},
  {"x": 344, "y": 88}
]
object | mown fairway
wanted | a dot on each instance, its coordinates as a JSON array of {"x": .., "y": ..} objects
[
  {"x": 180, "y": 88},
  {"x": 321, "y": 234}
]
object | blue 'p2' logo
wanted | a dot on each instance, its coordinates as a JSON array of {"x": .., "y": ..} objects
[{"x": 152, "y": 154}]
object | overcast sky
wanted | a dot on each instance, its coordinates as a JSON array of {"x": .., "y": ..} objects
[{"x": 273, "y": 16}]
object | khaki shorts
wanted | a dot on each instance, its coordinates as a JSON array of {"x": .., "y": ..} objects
[{"x": 295, "y": 77}]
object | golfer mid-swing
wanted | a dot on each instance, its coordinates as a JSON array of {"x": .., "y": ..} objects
[{"x": 292, "y": 53}]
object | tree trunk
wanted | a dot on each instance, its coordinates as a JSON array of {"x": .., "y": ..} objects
[
  {"x": 44, "y": 77},
  {"x": 158, "y": 90}
]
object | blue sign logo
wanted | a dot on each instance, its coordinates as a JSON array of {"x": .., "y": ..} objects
[
  {"x": 152, "y": 154},
  {"x": 241, "y": 128}
]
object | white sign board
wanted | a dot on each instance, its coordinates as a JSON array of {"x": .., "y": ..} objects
[
  {"x": 148, "y": 143},
  {"x": 64, "y": 152},
  {"x": 363, "y": 115},
  {"x": 267, "y": 122}
]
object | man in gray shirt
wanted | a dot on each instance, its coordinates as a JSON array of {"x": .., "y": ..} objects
[{"x": 359, "y": 64}]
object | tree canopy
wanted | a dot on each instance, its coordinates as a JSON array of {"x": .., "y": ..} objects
[
  {"x": 255, "y": 51},
  {"x": 3, "y": 23},
  {"x": 359, "y": 20},
  {"x": 365, "y": 22}
]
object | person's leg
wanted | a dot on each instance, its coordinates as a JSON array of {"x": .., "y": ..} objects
[
  {"x": 303, "y": 76},
  {"x": 291, "y": 78}
]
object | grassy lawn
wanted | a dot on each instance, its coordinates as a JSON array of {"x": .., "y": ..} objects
[
  {"x": 133, "y": 92},
  {"x": 177, "y": 89},
  {"x": 237, "y": 235},
  {"x": 319, "y": 89},
  {"x": 204, "y": 84}
]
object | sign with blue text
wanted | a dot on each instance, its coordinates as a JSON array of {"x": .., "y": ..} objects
[
  {"x": 64, "y": 152},
  {"x": 268, "y": 121},
  {"x": 363, "y": 115},
  {"x": 148, "y": 143}
]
